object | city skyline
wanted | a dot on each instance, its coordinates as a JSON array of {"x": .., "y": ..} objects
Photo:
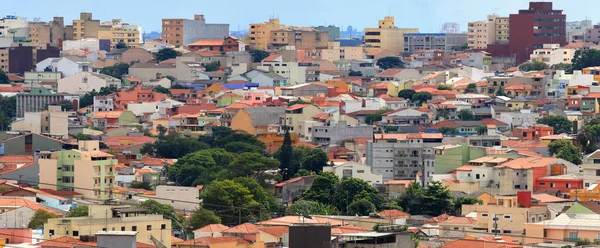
[{"x": 420, "y": 12}]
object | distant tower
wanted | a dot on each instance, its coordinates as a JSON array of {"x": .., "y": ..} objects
[
  {"x": 450, "y": 28},
  {"x": 349, "y": 29}
]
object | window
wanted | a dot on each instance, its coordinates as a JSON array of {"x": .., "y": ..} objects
[
  {"x": 573, "y": 235},
  {"x": 476, "y": 176},
  {"x": 552, "y": 185},
  {"x": 568, "y": 185},
  {"x": 517, "y": 186},
  {"x": 123, "y": 228},
  {"x": 456, "y": 228},
  {"x": 484, "y": 215},
  {"x": 149, "y": 228},
  {"x": 75, "y": 233},
  {"x": 507, "y": 231},
  {"x": 51, "y": 232},
  {"x": 134, "y": 228},
  {"x": 598, "y": 173},
  {"x": 506, "y": 216},
  {"x": 360, "y": 171},
  {"x": 104, "y": 229},
  {"x": 163, "y": 227}
]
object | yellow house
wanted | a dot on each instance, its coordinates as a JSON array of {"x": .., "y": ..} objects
[
  {"x": 112, "y": 218},
  {"x": 131, "y": 37},
  {"x": 518, "y": 90},
  {"x": 395, "y": 87},
  {"x": 592, "y": 71},
  {"x": 297, "y": 113},
  {"x": 517, "y": 103},
  {"x": 580, "y": 222},
  {"x": 339, "y": 84}
]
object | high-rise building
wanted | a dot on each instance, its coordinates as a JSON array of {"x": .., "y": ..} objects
[
  {"x": 14, "y": 27},
  {"x": 87, "y": 171},
  {"x": 261, "y": 34},
  {"x": 593, "y": 34},
  {"x": 301, "y": 39},
  {"x": 50, "y": 33},
  {"x": 84, "y": 27},
  {"x": 531, "y": 28},
  {"x": 433, "y": 41},
  {"x": 386, "y": 36},
  {"x": 576, "y": 31},
  {"x": 181, "y": 32},
  {"x": 333, "y": 31},
  {"x": 118, "y": 31}
]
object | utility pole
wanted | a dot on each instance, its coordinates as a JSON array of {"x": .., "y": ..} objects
[{"x": 495, "y": 225}]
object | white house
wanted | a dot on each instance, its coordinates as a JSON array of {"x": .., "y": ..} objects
[
  {"x": 83, "y": 82},
  {"x": 67, "y": 65},
  {"x": 355, "y": 170}
]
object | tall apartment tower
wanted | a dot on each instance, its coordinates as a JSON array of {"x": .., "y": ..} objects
[
  {"x": 181, "y": 32},
  {"x": 386, "y": 36}
]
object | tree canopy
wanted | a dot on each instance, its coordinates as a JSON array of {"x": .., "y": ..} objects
[
  {"x": 560, "y": 123},
  {"x": 166, "y": 53},
  {"x": 88, "y": 98},
  {"x": 377, "y": 116},
  {"x": 407, "y": 94},
  {"x": 421, "y": 97},
  {"x": 39, "y": 218},
  {"x": 533, "y": 66},
  {"x": 212, "y": 66},
  {"x": 141, "y": 185},
  {"x": 116, "y": 70},
  {"x": 78, "y": 211},
  {"x": 390, "y": 62},
  {"x": 444, "y": 87},
  {"x": 232, "y": 197},
  {"x": 173, "y": 146},
  {"x": 568, "y": 68},
  {"x": 202, "y": 217},
  {"x": 584, "y": 58},
  {"x": 121, "y": 44},
  {"x": 433, "y": 200},
  {"x": 466, "y": 115},
  {"x": 161, "y": 89},
  {"x": 168, "y": 212},
  {"x": 3, "y": 77},
  {"x": 471, "y": 88},
  {"x": 286, "y": 157},
  {"x": 566, "y": 150},
  {"x": 258, "y": 55}
]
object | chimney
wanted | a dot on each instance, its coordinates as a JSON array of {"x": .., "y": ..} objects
[{"x": 524, "y": 199}]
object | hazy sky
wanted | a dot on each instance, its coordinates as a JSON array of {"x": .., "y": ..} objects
[{"x": 427, "y": 15}]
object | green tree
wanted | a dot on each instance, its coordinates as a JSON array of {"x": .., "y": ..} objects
[
  {"x": 258, "y": 55},
  {"x": 4, "y": 123},
  {"x": 166, "y": 53},
  {"x": 390, "y": 62},
  {"x": 583, "y": 242},
  {"x": 471, "y": 88},
  {"x": 116, "y": 71},
  {"x": 121, "y": 45},
  {"x": 8, "y": 106},
  {"x": 467, "y": 200},
  {"x": 252, "y": 165},
  {"x": 412, "y": 199},
  {"x": 78, "y": 212},
  {"x": 305, "y": 207},
  {"x": 202, "y": 217},
  {"x": 407, "y": 94},
  {"x": 231, "y": 197},
  {"x": 173, "y": 146},
  {"x": 421, "y": 97},
  {"x": 194, "y": 169},
  {"x": 212, "y": 66},
  {"x": 286, "y": 157},
  {"x": 39, "y": 218},
  {"x": 444, "y": 87},
  {"x": 141, "y": 185},
  {"x": 361, "y": 207},
  {"x": 377, "y": 116},
  {"x": 560, "y": 123},
  {"x": 166, "y": 210},
  {"x": 566, "y": 150},
  {"x": 161, "y": 89},
  {"x": 568, "y": 68},
  {"x": 481, "y": 130},
  {"x": 4, "y": 77},
  {"x": 448, "y": 131},
  {"x": 533, "y": 66},
  {"x": 353, "y": 189},
  {"x": 322, "y": 189},
  {"x": 303, "y": 172},
  {"x": 500, "y": 92},
  {"x": 437, "y": 199},
  {"x": 585, "y": 58},
  {"x": 466, "y": 115},
  {"x": 355, "y": 73},
  {"x": 315, "y": 161}
]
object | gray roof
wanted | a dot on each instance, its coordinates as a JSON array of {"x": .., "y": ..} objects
[
  {"x": 77, "y": 59},
  {"x": 481, "y": 111},
  {"x": 274, "y": 76},
  {"x": 265, "y": 115},
  {"x": 117, "y": 51},
  {"x": 469, "y": 123},
  {"x": 152, "y": 65}
]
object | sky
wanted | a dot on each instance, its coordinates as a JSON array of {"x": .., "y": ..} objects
[{"x": 427, "y": 15}]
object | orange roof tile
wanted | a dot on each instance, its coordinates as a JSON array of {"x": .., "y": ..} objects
[
  {"x": 207, "y": 43},
  {"x": 272, "y": 58},
  {"x": 527, "y": 163},
  {"x": 519, "y": 87},
  {"x": 453, "y": 220},
  {"x": 390, "y": 72},
  {"x": 277, "y": 231},
  {"x": 396, "y": 182},
  {"x": 347, "y": 229},
  {"x": 66, "y": 242},
  {"x": 291, "y": 219},
  {"x": 246, "y": 228},
  {"x": 108, "y": 114},
  {"x": 297, "y": 106},
  {"x": 462, "y": 243},
  {"x": 207, "y": 241},
  {"x": 212, "y": 228},
  {"x": 546, "y": 198},
  {"x": 393, "y": 213}
]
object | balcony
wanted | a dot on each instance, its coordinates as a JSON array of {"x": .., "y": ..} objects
[{"x": 571, "y": 239}]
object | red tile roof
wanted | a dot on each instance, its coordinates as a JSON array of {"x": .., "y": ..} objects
[
  {"x": 347, "y": 229},
  {"x": 66, "y": 242},
  {"x": 390, "y": 72},
  {"x": 297, "y": 106},
  {"x": 207, "y": 43},
  {"x": 207, "y": 241},
  {"x": 393, "y": 213},
  {"x": 464, "y": 243},
  {"x": 527, "y": 163},
  {"x": 212, "y": 228},
  {"x": 445, "y": 124},
  {"x": 246, "y": 228},
  {"x": 453, "y": 220},
  {"x": 277, "y": 231},
  {"x": 492, "y": 121}
]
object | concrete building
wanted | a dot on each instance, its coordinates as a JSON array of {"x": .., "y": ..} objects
[
  {"x": 593, "y": 34},
  {"x": 181, "y": 32},
  {"x": 402, "y": 156},
  {"x": 67, "y": 66},
  {"x": 260, "y": 34},
  {"x": 37, "y": 99},
  {"x": 14, "y": 27},
  {"x": 181, "y": 198},
  {"x": 386, "y": 36},
  {"x": 332, "y": 31},
  {"x": 289, "y": 190},
  {"x": 29, "y": 143},
  {"x": 297, "y": 113},
  {"x": 552, "y": 54},
  {"x": 298, "y": 38},
  {"x": 117, "y": 32},
  {"x": 576, "y": 30},
  {"x": 84, "y": 27},
  {"x": 91, "y": 44},
  {"x": 433, "y": 41},
  {"x": 53, "y": 122},
  {"x": 83, "y": 82},
  {"x": 333, "y": 133},
  {"x": 355, "y": 170},
  {"x": 109, "y": 218},
  {"x": 482, "y": 33},
  {"x": 86, "y": 168}
]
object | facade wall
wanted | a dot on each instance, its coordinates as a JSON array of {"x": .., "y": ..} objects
[
  {"x": 172, "y": 195},
  {"x": 194, "y": 30},
  {"x": 20, "y": 146}
]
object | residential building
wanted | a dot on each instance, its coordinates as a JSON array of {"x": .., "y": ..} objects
[
  {"x": 84, "y": 82},
  {"x": 118, "y": 218},
  {"x": 297, "y": 113},
  {"x": 402, "y": 156},
  {"x": 229, "y": 44},
  {"x": 335, "y": 132},
  {"x": 293, "y": 189},
  {"x": 591, "y": 169},
  {"x": 355, "y": 170},
  {"x": 212, "y": 230},
  {"x": 103, "y": 103},
  {"x": 298, "y": 38},
  {"x": 539, "y": 24},
  {"x": 14, "y": 27},
  {"x": 577, "y": 30},
  {"x": 74, "y": 170},
  {"x": 261, "y": 34},
  {"x": 38, "y": 99},
  {"x": 398, "y": 75},
  {"x": 181, "y": 32},
  {"x": 386, "y": 36},
  {"x": 255, "y": 120},
  {"x": 534, "y": 132},
  {"x": 579, "y": 222},
  {"x": 524, "y": 173},
  {"x": 54, "y": 123},
  {"x": 332, "y": 31},
  {"x": 135, "y": 54},
  {"x": 118, "y": 32},
  {"x": 262, "y": 78},
  {"x": 552, "y": 54},
  {"x": 433, "y": 41},
  {"x": 84, "y": 27},
  {"x": 482, "y": 33},
  {"x": 28, "y": 144},
  {"x": 306, "y": 89},
  {"x": 112, "y": 119},
  {"x": 181, "y": 198},
  {"x": 68, "y": 66},
  {"x": 593, "y": 34}
]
